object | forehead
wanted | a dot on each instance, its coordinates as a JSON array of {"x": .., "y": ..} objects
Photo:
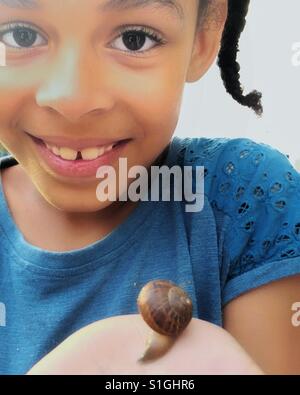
[{"x": 173, "y": 5}]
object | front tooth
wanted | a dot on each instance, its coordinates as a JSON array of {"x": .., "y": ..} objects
[
  {"x": 101, "y": 151},
  {"x": 55, "y": 150},
  {"x": 91, "y": 153},
  {"x": 109, "y": 147},
  {"x": 67, "y": 153}
]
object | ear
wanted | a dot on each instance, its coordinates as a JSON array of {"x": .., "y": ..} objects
[{"x": 207, "y": 40}]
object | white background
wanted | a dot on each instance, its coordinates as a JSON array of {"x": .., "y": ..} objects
[{"x": 265, "y": 57}]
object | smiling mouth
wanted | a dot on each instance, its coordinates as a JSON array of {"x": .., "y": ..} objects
[
  {"x": 82, "y": 160},
  {"x": 70, "y": 154}
]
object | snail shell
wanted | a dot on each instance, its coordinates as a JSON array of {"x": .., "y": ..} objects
[{"x": 167, "y": 309}]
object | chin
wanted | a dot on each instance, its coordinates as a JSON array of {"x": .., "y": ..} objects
[{"x": 81, "y": 204}]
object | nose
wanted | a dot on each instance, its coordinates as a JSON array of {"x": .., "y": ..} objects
[{"x": 71, "y": 88}]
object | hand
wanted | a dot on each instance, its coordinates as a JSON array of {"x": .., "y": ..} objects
[{"x": 114, "y": 345}]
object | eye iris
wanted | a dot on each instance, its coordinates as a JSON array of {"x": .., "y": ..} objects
[
  {"x": 24, "y": 37},
  {"x": 134, "y": 41}
]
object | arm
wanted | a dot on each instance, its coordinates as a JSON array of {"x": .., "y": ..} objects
[{"x": 261, "y": 320}]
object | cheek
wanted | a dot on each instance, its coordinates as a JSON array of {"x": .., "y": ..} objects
[
  {"x": 154, "y": 97},
  {"x": 11, "y": 103},
  {"x": 12, "y": 97},
  {"x": 17, "y": 87},
  {"x": 9, "y": 110},
  {"x": 17, "y": 94}
]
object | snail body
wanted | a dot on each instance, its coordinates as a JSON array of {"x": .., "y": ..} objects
[{"x": 167, "y": 309}]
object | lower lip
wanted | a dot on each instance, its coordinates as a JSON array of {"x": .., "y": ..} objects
[{"x": 78, "y": 168}]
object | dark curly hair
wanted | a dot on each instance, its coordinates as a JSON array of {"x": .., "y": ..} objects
[{"x": 209, "y": 12}]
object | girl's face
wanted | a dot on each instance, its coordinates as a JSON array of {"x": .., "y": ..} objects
[{"x": 73, "y": 76}]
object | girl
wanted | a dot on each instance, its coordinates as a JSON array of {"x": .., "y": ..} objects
[{"x": 88, "y": 82}]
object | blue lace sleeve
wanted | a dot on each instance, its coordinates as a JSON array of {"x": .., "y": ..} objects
[{"x": 256, "y": 186}]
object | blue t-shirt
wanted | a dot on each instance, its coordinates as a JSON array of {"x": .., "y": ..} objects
[{"x": 247, "y": 235}]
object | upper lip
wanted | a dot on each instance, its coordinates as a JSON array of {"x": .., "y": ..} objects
[{"x": 77, "y": 145}]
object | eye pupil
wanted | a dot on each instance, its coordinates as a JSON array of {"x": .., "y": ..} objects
[
  {"x": 134, "y": 40},
  {"x": 24, "y": 37}
]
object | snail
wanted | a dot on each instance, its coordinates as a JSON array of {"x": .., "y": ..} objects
[{"x": 167, "y": 309}]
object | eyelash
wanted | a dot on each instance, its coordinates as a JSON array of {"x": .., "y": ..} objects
[
  {"x": 148, "y": 32},
  {"x": 158, "y": 39},
  {"x": 9, "y": 27}
]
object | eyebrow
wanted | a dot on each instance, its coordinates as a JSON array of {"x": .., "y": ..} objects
[
  {"x": 20, "y": 3},
  {"x": 173, "y": 5}
]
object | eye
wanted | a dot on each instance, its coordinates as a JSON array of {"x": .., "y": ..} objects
[
  {"x": 21, "y": 36},
  {"x": 137, "y": 40}
]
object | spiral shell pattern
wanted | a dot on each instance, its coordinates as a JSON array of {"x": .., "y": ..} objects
[{"x": 165, "y": 307}]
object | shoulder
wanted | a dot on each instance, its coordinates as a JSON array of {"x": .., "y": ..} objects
[
  {"x": 8, "y": 181},
  {"x": 256, "y": 187},
  {"x": 240, "y": 167}
]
